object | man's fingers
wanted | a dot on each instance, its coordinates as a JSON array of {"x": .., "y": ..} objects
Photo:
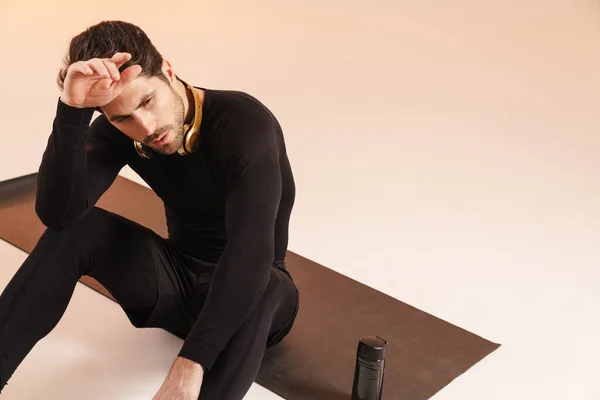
[
  {"x": 127, "y": 75},
  {"x": 82, "y": 68},
  {"x": 99, "y": 68},
  {"x": 112, "y": 69},
  {"x": 107, "y": 68},
  {"x": 130, "y": 73},
  {"x": 120, "y": 59}
]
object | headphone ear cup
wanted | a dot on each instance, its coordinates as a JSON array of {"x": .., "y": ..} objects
[
  {"x": 142, "y": 150},
  {"x": 191, "y": 137},
  {"x": 191, "y": 141}
]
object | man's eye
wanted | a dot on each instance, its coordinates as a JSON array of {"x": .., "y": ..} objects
[{"x": 144, "y": 103}]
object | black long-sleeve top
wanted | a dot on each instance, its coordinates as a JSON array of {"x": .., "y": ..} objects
[{"x": 228, "y": 203}]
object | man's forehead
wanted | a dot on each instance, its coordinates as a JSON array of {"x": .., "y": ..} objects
[{"x": 134, "y": 90}]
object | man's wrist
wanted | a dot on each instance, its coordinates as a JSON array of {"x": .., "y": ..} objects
[
  {"x": 67, "y": 101},
  {"x": 185, "y": 366}
]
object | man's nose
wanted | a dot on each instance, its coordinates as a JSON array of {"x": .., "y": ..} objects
[{"x": 147, "y": 125}]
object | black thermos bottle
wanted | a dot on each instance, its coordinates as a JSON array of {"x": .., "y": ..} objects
[{"x": 370, "y": 366}]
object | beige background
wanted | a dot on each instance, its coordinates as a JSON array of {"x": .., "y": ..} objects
[{"x": 445, "y": 152}]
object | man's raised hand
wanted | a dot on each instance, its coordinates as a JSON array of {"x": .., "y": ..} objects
[{"x": 96, "y": 82}]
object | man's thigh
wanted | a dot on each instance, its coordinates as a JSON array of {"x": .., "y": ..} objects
[{"x": 140, "y": 269}]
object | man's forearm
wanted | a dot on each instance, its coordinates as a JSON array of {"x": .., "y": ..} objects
[
  {"x": 184, "y": 381},
  {"x": 63, "y": 173},
  {"x": 75, "y": 172}
]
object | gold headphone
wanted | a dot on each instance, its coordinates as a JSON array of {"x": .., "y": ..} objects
[{"x": 191, "y": 137}]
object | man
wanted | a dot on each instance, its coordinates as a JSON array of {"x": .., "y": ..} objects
[{"x": 218, "y": 161}]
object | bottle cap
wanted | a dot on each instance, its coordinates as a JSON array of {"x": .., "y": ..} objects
[{"x": 371, "y": 348}]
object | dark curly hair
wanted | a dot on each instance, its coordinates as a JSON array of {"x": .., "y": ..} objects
[{"x": 105, "y": 39}]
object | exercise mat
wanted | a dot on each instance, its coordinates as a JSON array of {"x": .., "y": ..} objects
[{"x": 316, "y": 360}]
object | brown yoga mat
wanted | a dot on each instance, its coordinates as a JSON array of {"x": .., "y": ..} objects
[{"x": 316, "y": 360}]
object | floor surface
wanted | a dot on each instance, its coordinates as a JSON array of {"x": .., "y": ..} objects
[{"x": 548, "y": 326}]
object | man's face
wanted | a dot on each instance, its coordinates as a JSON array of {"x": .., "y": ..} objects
[{"x": 146, "y": 110}]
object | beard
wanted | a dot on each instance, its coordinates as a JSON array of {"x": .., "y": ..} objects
[{"x": 176, "y": 134}]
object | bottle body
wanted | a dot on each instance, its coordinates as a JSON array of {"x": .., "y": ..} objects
[{"x": 369, "y": 369}]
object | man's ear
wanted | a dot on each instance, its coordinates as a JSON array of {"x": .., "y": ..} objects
[{"x": 167, "y": 69}]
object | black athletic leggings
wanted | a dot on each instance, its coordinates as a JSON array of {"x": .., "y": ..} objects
[{"x": 155, "y": 285}]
